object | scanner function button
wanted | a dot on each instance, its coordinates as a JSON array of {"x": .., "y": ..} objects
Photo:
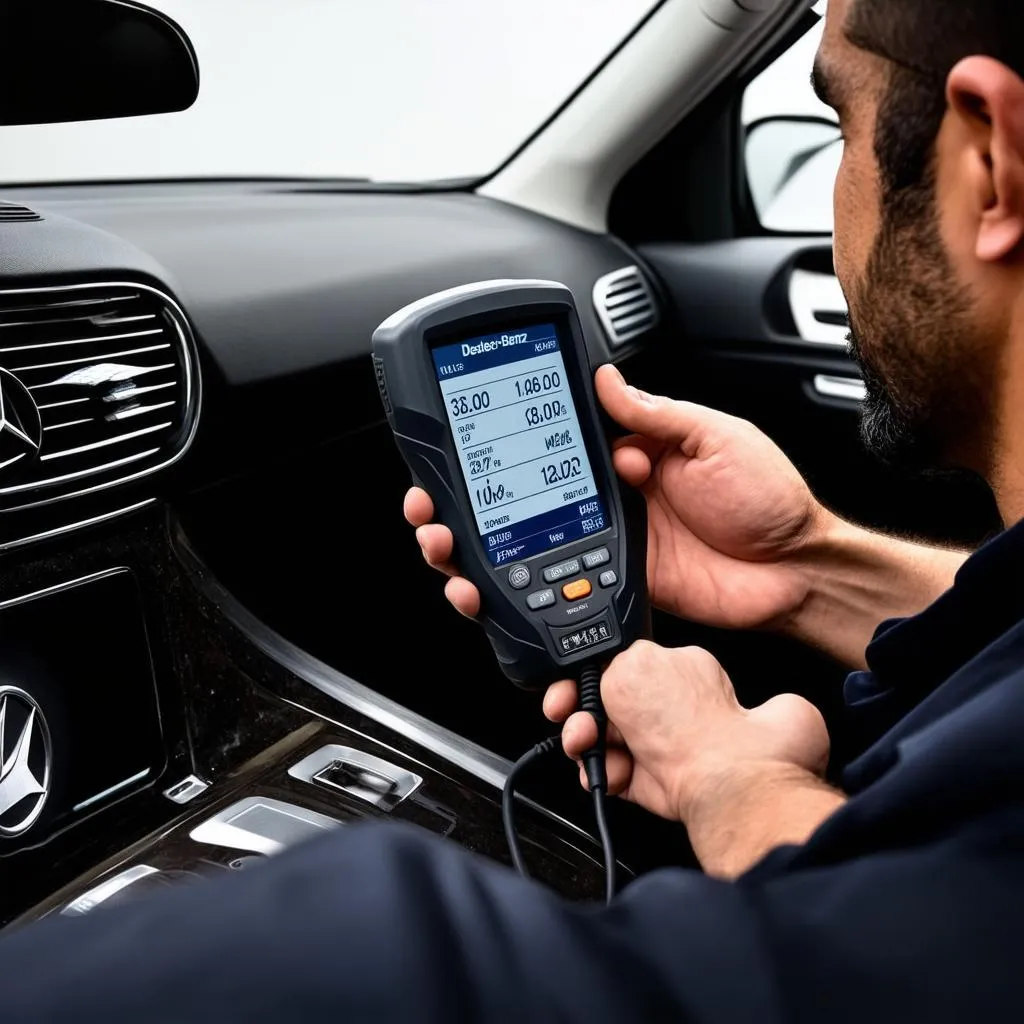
[
  {"x": 577, "y": 590},
  {"x": 592, "y": 559},
  {"x": 542, "y": 599},
  {"x": 554, "y": 573},
  {"x": 519, "y": 577}
]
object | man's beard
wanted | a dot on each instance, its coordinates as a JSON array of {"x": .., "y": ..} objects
[{"x": 912, "y": 336}]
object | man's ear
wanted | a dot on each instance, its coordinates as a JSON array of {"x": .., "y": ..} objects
[{"x": 988, "y": 99}]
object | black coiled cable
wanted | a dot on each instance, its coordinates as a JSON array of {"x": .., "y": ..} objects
[
  {"x": 508, "y": 801},
  {"x": 597, "y": 779}
]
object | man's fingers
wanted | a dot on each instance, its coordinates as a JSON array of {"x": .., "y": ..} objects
[
  {"x": 437, "y": 544},
  {"x": 418, "y": 508},
  {"x": 656, "y": 418},
  {"x": 633, "y": 465},
  {"x": 579, "y": 734},
  {"x": 464, "y": 596},
  {"x": 560, "y": 701}
]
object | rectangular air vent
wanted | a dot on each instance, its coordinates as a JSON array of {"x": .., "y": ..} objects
[
  {"x": 11, "y": 212},
  {"x": 97, "y": 387},
  {"x": 625, "y": 305}
]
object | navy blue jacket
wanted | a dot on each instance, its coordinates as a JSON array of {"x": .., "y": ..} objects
[{"x": 907, "y": 905}]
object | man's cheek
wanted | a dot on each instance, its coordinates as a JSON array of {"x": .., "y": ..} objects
[
  {"x": 840, "y": 252},
  {"x": 846, "y": 241}
]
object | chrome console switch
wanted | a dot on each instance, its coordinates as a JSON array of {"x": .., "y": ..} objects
[
  {"x": 358, "y": 774},
  {"x": 105, "y": 890},
  {"x": 187, "y": 789},
  {"x": 259, "y": 824},
  {"x": 351, "y": 778}
]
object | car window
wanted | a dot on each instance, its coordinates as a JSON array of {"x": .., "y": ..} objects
[
  {"x": 793, "y": 145},
  {"x": 389, "y": 90}
]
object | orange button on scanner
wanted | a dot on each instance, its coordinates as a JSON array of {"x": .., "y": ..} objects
[{"x": 577, "y": 590}]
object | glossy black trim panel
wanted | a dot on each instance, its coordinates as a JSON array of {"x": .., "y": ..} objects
[
  {"x": 72, "y": 527},
  {"x": 486, "y": 766},
  {"x": 482, "y": 764},
  {"x": 194, "y": 846}
]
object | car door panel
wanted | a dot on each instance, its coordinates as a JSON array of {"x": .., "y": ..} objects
[{"x": 762, "y": 336}]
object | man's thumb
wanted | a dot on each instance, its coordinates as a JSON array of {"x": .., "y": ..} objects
[
  {"x": 660, "y": 419},
  {"x": 798, "y": 729}
]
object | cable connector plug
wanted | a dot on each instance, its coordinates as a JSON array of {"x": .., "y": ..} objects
[
  {"x": 590, "y": 701},
  {"x": 596, "y": 769}
]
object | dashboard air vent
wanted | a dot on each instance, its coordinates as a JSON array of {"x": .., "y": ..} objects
[
  {"x": 625, "y": 305},
  {"x": 98, "y": 386},
  {"x": 11, "y": 212}
]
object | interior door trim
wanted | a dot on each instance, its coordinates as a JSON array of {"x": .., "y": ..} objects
[
  {"x": 849, "y": 389},
  {"x": 768, "y": 291},
  {"x": 819, "y": 308}
]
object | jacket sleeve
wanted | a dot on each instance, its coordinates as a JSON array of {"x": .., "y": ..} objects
[{"x": 384, "y": 923}]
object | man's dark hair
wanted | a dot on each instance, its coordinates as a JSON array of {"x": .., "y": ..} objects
[{"x": 923, "y": 40}]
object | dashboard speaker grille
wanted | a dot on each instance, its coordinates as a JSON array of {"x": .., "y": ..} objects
[
  {"x": 98, "y": 386},
  {"x": 625, "y": 305},
  {"x": 11, "y": 212}
]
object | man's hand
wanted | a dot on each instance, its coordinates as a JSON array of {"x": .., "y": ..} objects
[
  {"x": 680, "y": 745},
  {"x": 676, "y": 725},
  {"x": 737, "y": 540},
  {"x": 728, "y": 513}
]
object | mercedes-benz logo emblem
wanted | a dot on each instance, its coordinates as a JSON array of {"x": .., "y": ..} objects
[
  {"x": 25, "y": 761},
  {"x": 21, "y": 430}
]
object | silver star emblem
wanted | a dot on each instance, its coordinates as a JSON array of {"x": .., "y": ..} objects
[
  {"x": 20, "y": 782},
  {"x": 21, "y": 431}
]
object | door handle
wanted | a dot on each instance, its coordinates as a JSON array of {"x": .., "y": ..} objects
[
  {"x": 849, "y": 389},
  {"x": 819, "y": 308}
]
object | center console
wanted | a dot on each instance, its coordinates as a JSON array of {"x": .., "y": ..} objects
[
  {"x": 310, "y": 783},
  {"x": 154, "y": 733}
]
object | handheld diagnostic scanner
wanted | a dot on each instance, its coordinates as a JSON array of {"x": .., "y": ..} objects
[{"x": 488, "y": 389}]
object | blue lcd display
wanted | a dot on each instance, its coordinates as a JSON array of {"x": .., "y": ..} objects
[{"x": 521, "y": 449}]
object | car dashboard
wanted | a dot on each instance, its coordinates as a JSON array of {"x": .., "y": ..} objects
[{"x": 218, "y": 637}]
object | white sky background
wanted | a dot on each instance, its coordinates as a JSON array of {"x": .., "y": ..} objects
[{"x": 389, "y": 89}]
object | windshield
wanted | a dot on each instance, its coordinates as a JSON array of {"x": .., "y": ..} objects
[{"x": 388, "y": 90}]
